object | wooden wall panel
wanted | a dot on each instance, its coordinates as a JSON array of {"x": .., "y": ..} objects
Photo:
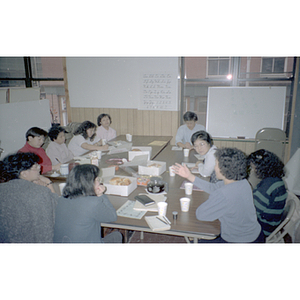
[{"x": 134, "y": 121}]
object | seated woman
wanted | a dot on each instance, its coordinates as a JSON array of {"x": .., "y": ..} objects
[
  {"x": 185, "y": 132},
  {"x": 27, "y": 201},
  {"x": 57, "y": 150},
  {"x": 35, "y": 138},
  {"x": 270, "y": 193},
  {"x": 82, "y": 208},
  {"x": 204, "y": 145},
  {"x": 230, "y": 199},
  {"x": 104, "y": 131},
  {"x": 85, "y": 139}
]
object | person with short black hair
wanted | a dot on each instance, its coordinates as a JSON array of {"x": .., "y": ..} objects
[
  {"x": 57, "y": 149},
  {"x": 204, "y": 145},
  {"x": 27, "y": 201},
  {"x": 104, "y": 131},
  {"x": 83, "y": 207},
  {"x": 85, "y": 139},
  {"x": 35, "y": 138},
  {"x": 270, "y": 193},
  {"x": 230, "y": 199},
  {"x": 185, "y": 132}
]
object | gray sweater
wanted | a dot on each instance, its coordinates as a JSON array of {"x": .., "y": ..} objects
[
  {"x": 79, "y": 220},
  {"x": 27, "y": 212}
]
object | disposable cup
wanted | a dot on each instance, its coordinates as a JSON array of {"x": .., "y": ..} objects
[
  {"x": 61, "y": 187},
  {"x": 188, "y": 186},
  {"x": 99, "y": 154},
  {"x": 186, "y": 152},
  {"x": 128, "y": 137},
  {"x": 64, "y": 169},
  {"x": 162, "y": 208},
  {"x": 171, "y": 171},
  {"x": 185, "y": 204}
]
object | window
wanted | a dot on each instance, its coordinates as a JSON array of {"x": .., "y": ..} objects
[
  {"x": 218, "y": 66},
  {"x": 45, "y": 73},
  {"x": 271, "y": 65}
]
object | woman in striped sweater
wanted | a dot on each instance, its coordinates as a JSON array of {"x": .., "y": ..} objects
[{"x": 270, "y": 193}]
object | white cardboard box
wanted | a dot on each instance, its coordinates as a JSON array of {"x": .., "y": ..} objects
[
  {"x": 119, "y": 190},
  {"x": 155, "y": 171},
  {"x": 144, "y": 150}
]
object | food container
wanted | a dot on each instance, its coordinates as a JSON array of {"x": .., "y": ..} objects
[
  {"x": 143, "y": 150},
  {"x": 154, "y": 168}
]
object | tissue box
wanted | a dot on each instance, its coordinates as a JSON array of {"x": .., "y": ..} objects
[
  {"x": 144, "y": 150},
  {"x": 154, "y": 168}
]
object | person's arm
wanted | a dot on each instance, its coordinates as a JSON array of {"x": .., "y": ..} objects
[
  {"x": 206, "y": 168},
  {"x": 44, "y": 181},
  {"x": 104, "y": 211}
]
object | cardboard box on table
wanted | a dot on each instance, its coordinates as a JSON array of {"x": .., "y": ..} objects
[
  {"x": 120, "y": 190},
  {"x": 155, "y": 171},
  {"x": 144, "y": 150}
]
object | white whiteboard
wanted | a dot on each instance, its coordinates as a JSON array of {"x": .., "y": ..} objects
[
  {"x": 242, "y": 111},
  {"x": 119, "y": 82},
  {"x": 17, "y": 118}
]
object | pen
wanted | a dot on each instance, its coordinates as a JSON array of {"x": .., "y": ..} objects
[
  {"x": 57, "y": 160},
  {"x": 161, "y": 220},
  {"x": 166, "y": 219}
]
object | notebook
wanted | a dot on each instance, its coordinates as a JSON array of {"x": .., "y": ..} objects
[
  {"x": 153, "y": 207},
  {"x": 156, "y": 224}
]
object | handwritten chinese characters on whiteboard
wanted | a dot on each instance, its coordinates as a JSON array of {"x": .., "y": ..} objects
[{"x": 157, "y": 92}]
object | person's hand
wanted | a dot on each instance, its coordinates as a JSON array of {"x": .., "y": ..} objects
[
  {"x": 188, "y": 146},
  {"x": 105, "y": 147},
  {"x": 183, "y": 171},
  {"x": 44, "y": 181},
  {"x": 100, "y": 190}
]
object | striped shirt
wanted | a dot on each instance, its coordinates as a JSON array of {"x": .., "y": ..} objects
[{"x": 269, "y": 200}]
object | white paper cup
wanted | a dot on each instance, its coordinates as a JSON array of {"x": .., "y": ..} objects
[
  {"x": 162, "y": 208},
  {"x": 64, "y": 169},
  {"x": 188, "y": 186},
  {"x": 128, "y": 137},
  {"x": 99, "y": 154},
  {"x": 186, "y": 152},
  {"x": 185, "y": 204},
  {"x": 61, "y": 187},
  {"x": 171, "y": 171}
]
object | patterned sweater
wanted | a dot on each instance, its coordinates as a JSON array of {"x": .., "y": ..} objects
[{"x": 269, "y": 200}]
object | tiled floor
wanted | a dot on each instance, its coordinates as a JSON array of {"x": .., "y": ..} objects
[{"x": 155, "y": 238}]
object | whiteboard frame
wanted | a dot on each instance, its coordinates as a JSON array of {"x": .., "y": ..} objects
[{"x": 225, "y": 118}]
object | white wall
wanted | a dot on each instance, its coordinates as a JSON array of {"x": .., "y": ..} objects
[{"x": 117, "y": 82}]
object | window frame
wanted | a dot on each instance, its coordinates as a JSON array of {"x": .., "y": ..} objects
[{"x": 218, "y": 58}]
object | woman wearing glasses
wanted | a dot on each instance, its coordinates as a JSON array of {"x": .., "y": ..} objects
[
  {"x": 27, "y": 201},
  {"x": 203, "y": 144}
]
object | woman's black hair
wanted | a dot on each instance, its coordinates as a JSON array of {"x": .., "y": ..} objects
[
  {"x": 12, "y": 165},
  {"x": 102, "y": 116},
  {"x": 202, "y": 135},
  {"x": 80, "y": 181},
  {"x": 83, "y": 127},
  {"x": 190, "y": 116},
  {"x": 35, "y": 131},
  {"x": 232, "y": 163},
  {"x": 54, "y": 131},
  {"x": 266, "y": 164}
]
